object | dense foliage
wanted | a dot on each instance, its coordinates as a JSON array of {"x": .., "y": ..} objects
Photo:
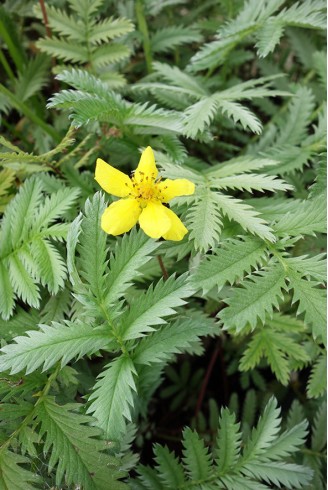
[{"x": 129, "y": 362}]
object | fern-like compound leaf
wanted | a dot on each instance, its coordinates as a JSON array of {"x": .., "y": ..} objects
[
  {"x": 74, "y": 447},
  {"x": 130, "y": 253},
  {"x": 112, "y": 398},
  {"x": 255, "y": 300},
  {"x": 196, "y": 458},
  {"x": 153, "y": 305},
  {"x": 13, "y": 476},
  {"x": 230, "y": 262},
  {"x": 227, "y": 442},
  {"x": 50, "y": 344},
  {"x": 160, "y": 346}
]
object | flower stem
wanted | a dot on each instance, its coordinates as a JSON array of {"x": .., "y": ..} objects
[
  {"x": 143, "y": 28},
  {"x": 162, "y": 266}
]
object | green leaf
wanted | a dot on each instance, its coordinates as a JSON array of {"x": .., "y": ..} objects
[
  {"x": 227, "y": 442},
  {"x": 168, "y": 465},
  {"x": 6, "y": 293},
  {"x": 199, "y": 115},
  {"x": 317, "y": 384},
  {"x": 311, "y": 302},
  {"x": 196, "y": 458},
  {"x": 269, "y": 36},
  {"x": 75, "y": 451},
  {"x": 51, "y": 264},
  {"x": 22, "y": 283},
  {"x": 306, "y": 266},
  {"x": 204, "y": 220},
  {"x": 109, "y": 54},
  {"x": 63, "y": 24},
  {"x": 33, "y": 78},
  {"x": 250, "y": 182},
  {"x": 168, "y": 38},
  {"x": 92, "y": 247},
  {"x": 255, "y": 300},
  {"x": 277, "y": 347},
  {"x": 22, "y": 210},
  {"x": 319, "y": 431},
  {"x": 110, "y": 28},
  {"x": 239, "y": 113},
  {"x": 308, "y": 218},
  {"x": 288, "y": 442},
  {"x": 63, "y": 50},
  {"x": 156, "y": 303},
  {"x": 160, "y": 346},
  {"x": 130, "y": 253},
  {"x": 290, "y": 475},
  {"x": 12, "y": 475},
  {"x": 112, "y": 398},
  {"x": 245, "y": 215},
  {"x": 231, "y": 261},
  {"x": 243, "y": 164},
  {"x": 300, "y": 110},
  {"x": 50, "y": 344},
  {"x": 55, "y": 207},
  {"x": 265, "y": 433}
]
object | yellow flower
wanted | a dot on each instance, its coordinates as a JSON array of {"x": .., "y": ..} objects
[{"x": 143, "y": 197}]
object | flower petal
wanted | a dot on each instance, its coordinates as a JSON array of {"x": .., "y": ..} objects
[
  {"x": 177, "y": 230},
  {"x": 113, "y": 181},
  {"x": 173, "y": 188},
  {"x": 154, "y": 220},
  {"x": 120, "y": 216},
  {"x": 146, "y": 166}
]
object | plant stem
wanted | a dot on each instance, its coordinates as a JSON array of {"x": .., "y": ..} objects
[
  {"x": 207, "y": 378},
  {"x": 6, "y": 66},
  {"x": 162, "y": 266},
  {"x": 29, "y": 417},
  {"x": 143, "y": 28},
  {"x": 22, "y": 107},
  {"x": 45, "y": 18}
]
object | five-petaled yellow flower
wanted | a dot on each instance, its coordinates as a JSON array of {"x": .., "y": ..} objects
[{"x": 143, "y": 197}]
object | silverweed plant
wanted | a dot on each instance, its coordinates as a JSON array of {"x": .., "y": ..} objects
[{"x": 162, "y": 315}]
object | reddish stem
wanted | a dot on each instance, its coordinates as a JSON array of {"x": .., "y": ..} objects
[
  {"x": 207, "y": 378},
  {"x": 45, "y": 17},
  {"x": 162, "y": 266}
]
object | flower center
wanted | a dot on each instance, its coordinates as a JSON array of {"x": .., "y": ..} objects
[{"x": 145, "y": 189}]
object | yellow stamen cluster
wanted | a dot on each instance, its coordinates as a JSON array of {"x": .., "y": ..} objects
[{"x": 146, "y": 189}]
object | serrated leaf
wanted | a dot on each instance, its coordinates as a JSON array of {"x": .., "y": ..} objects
[
  {"x": 231, "y": 262},
  {"x": 112, "y": 398},
  {"x": 174, "y": 339},
  {"x": 245, "y": 215},
  {"x": 74, "y": 449},
  {"x": 199, "y": 115},
  {"x": 317, "y": 384},
  {"x": 168, "y": 465},
  {"x": 204, "y": 221},
  {"x": 153, "y": 305},
  {"x": 109, "y": 54},
  {"x": 196, "y": 458},
  {"x": 168, "y": 38},
  {"x": 309, "y": 218},
  {"x": 110, "y": 28},
  {"x": 311, "y": 301},
  {"x": 50, "y": 344},
  {"x": 63, "y": 50},
  {"x": 12, "y": 475},
  {"x": 132, "y": 252},
  {"x": 227, "y": 442},
  {"x": 250, "y": 182},
  {"x": 255, "y": 300},
  {"x": 242, "y": 114}
]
